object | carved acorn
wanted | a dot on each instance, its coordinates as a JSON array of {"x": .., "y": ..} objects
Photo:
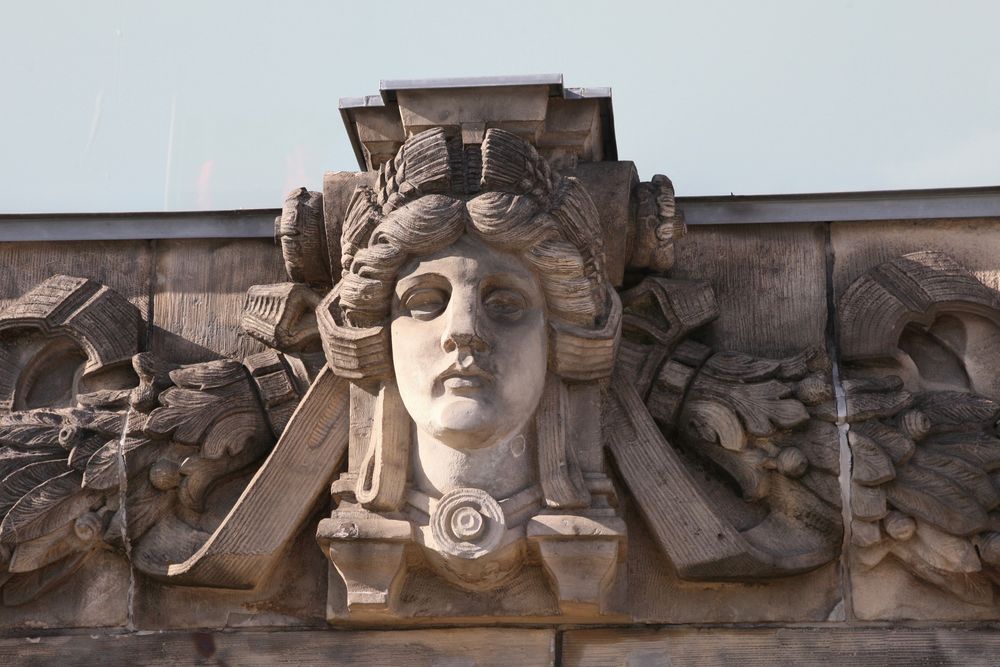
[
  {"x": 165, "y": 474},
  {"x": 915, "y": 424},
  {"x": 792, "y": 462},
  {"x": 88, "y": 526}
]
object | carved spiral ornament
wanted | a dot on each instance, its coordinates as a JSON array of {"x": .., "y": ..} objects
[{"x": 468, "y": 523}]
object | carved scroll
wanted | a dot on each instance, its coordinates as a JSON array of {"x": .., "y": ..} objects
[
  {"x": 103, "y": 324},
  {"x": 912, "y": 288}
]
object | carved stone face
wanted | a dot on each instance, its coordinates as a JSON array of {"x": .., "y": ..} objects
[{"x": 469, "y": 343}]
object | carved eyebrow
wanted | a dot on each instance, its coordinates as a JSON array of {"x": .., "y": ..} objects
[
  {"x": 520, "y": 281},
  {"x": 407, "y": 283}
]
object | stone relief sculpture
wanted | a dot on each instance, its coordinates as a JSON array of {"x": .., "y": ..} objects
[
  {"x": 479, "y": 359},
  {"x": 920, "y": 332},
  {"x": 460, "y": 320},
  {"x": 490, "y": 362}
]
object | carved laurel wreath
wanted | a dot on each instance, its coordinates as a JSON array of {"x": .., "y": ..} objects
[{"x": 424, "y": 165}]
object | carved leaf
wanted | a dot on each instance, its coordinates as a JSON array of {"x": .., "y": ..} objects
[
  {"x": 39, "y": 417},
  {"x": 231, "y": 434},
  {"x": 145, "y": 506},
  {"x": 892, "y": 442},
  {"x": 799, "y": 365},
  {"x": 887, "y": 384},
  {"x": 821, "y": 445},
  {"x": 106, "y": 423},
  {"x": 26, "y": 587},
  {"x": 979, "y": 449},
  {"x": 189, "y": 414},
  {"x": 105, "y": 398},
  {"x": 762, "y": 407},
  {"x": 46, "y": 507},
  {"x": 926, "y": 495},
  {"x": 740, "y": 367},
  {"x": 20, "y": 482},
  {"x": 862, "y": 407},
  {"x": 714, "y": 422},
  {"x": 44, "y": 550},
  {"x": 962, "y": 473},
  {"x": 943, "y": 551},
  {"x": 29, "y": 436},
  {"x": 186, "y": 415},
  {"x": 154, "y": 377},
  {"x": 13, "y": 459},
  {"x": 953, "y": 410},
  {"x": 868, "y": 503},
  {"x": 972, "y": 587},
  {"x": 871, "y": 466},
  {"x": 102, "y": 469},
  {"x": 209, "y": 375},
  {"x": 825, "y": 486},
  {"x": 81, "y": 453}
]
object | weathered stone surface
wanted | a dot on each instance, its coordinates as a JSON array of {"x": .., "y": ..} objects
[
  {"x": 481, "y": 646},
  {"x": 769, "y": 280},
  {"x": 820, "y": 645},
  {"x": 200, "y": 290},
  {"x": 972, "y": 243},
  {"x": 293, "y": 594},
  {"x": 655, "y": 594},
  {"x": 124, "y": 266},
  {"x": 96, "y": 596}
]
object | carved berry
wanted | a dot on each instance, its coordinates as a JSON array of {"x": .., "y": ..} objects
[
  {"x": 989, "y": 547},
  {"x": 899, "y": 526},
  {"x": 915, "y": 424},
  {"x": 165, "y": 474},
  {"x": 88, "y": 527},
  {"x": 813, "y": 390},
  {"x": 792, "y": 462}
]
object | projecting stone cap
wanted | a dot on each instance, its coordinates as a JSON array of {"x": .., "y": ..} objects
[{"x": 566, "y": 125}]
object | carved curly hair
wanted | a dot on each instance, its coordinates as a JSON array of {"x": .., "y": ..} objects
[{"x": 548, "y": 221}]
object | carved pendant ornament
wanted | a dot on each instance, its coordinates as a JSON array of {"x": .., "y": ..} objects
[{"x": 481, "y": 360}]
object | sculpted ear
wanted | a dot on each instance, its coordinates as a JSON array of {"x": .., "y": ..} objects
[
  {"x": 355, "y": 353},
  {"x": 583, "y": 354}
]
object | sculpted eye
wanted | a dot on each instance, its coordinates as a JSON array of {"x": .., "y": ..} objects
[
  {"x": 505, "y": 305},
  {"x": 426, "y": 303}
]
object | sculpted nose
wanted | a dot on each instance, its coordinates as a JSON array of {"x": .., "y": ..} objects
[{"x": 461, "y": 328}]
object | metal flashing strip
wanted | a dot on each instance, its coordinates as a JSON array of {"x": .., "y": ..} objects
[
  {"x": 954, "y": 203},
  {"x": 256, "y": 223},
  {"x": 388, "y": 88},
  {"x": 843, "y": 206}
]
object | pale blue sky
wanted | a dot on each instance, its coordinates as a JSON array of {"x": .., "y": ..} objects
[{"x": 148, "y": 106}]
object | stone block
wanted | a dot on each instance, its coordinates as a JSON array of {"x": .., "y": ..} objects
[{"x": 201, "y": 286}]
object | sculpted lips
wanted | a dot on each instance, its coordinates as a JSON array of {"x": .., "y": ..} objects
[{"x": 464, "y": 380}]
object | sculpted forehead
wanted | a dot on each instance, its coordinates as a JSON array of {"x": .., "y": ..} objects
[{"x": 465, "y": 260}]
